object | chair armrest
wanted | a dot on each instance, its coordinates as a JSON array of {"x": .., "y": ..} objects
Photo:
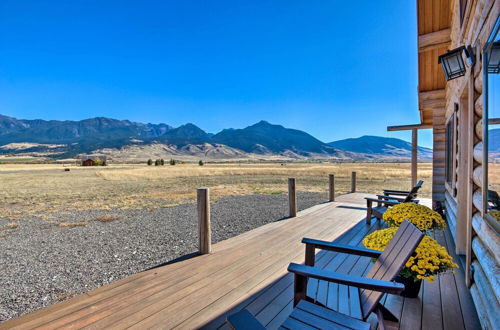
[
  {"x": 390, "y": 193},
  {"x": 329, "y": 246},
  {"x": 351, "y": 280},
  {"x": 383, "y": 201},
  {"x": 399, "y": 199},
  {"x": 244, "y": 320},
  {"x": 396, "y": 192}
]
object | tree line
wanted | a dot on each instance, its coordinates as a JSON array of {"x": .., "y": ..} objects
[{"x": 161, "y": 162}]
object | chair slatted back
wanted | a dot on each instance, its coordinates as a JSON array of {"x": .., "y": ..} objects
[
  {"x": 390, "y": 262},
  {"x": 413, "y": 192}
]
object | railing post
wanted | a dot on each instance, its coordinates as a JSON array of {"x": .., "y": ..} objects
[
  {"x": 414, "y": 154},
  {"x": 204, "y": 230},
  {"x": 292, "y": 198},
  {"x": 353, "y": 182},
  {"x": 331, "y": 187}
]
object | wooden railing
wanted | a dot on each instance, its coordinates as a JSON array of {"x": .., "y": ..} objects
[{"x": 203, "y": 201}]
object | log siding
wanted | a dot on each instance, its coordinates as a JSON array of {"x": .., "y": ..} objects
[{"x": 469, "y": 24}]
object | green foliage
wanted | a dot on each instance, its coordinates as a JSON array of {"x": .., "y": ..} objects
[
  {"x": 150, "y": 162},
  {"x": 162, "y": 162},
  {"x": 173, "y": 162},
  {"x": 201, "y": 163},
  {"x": 157, "y": 162}
]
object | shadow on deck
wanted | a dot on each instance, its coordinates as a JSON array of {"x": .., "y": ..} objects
[{"x": 249, "y": 271}]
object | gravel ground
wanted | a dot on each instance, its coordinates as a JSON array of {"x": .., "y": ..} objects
[{"x": 42, "y": 263}]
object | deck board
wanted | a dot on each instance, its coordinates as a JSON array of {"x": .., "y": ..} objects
[{"x": 249, "y": 271}]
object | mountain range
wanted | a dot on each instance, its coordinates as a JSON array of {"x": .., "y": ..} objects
[
  {"x": 377, "y": 145},
  {"x": 126, "y": 140}
]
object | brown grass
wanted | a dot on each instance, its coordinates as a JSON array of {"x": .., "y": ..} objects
[
  {"x": 71, "y": 224},
  {"x": 107, "y": 218},
  {"x": 40, "y": 189},
  {"x": 494, "y": 176},
  {"x": 8, "y": 226}
]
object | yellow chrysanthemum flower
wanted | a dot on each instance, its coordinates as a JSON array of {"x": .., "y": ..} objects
[
  {"x": 420, "y": 215},
  {"x": 495, "y": 214},
  {"x": 430, "y": 257}
]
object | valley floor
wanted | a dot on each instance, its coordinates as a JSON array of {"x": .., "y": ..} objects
[{"x": 39, "y": 190}]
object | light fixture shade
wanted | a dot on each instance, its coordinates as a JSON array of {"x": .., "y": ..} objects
[
  {"x": 494, "y": 58},
  {"x": 453, "y": 63}
]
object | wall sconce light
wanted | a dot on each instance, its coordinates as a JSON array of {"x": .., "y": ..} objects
[
  {"x": 453, "y": 62},
  {"x": 494, "y": 58}
]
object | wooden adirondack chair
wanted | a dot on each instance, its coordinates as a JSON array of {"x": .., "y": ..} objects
[
  {"x": 414, "y": 190},
  {"x": 389, "y": 198},
  {"x": 305, "y": 316},
  {"x": 377, "y": 282}
]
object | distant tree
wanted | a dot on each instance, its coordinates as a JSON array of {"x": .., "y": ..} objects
[
  {"x": 150, "y": 162},
  {"x": 200, "y": 163},
  {"x": 162, "y": 162},
  {"x": 173, "y": 162},
  {"x": 104, "y": 163},
  {"x": 157, "y": 162}
]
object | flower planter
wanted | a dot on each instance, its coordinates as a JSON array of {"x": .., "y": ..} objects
[{"x": 412, "y": 288}]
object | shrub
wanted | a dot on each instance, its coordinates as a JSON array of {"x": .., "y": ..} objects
[
  {"x": 201, "y": 163},
  {"x": 106, "y": 218},
  {"x": 430, "y": 257},
  {"x": 162, "y": 162},
  {"x": 150, "y": 162},
  {"x": 157, "y": 162},
  {"x": 420, "y": 215},
  {"x": 173, "y": 162}
]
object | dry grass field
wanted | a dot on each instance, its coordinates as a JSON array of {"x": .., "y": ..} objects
[
  {"x": 39, "y": 190},
  {"x": 494, "y": 176}
]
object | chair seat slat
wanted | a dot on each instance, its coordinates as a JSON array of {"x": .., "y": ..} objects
[
  {"x": 390, "y": 263},
  {"x": 332, "y": 316}
]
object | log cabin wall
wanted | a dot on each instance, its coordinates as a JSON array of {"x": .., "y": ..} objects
[{"x": 462, "y": 102}]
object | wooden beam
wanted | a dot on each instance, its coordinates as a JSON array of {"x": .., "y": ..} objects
[
  {"x": 478, "y": 153},
  {"x": 477, "y": 176},
  {"x": 414, "y": 152},
  {"x": 464, "y": 169},
  {"x": 434, "y": 40},
  {"x": 487, "y": 235},
  {"x": 432, "y": 103},
  {"x": 408, "y": 127},
  {"x": 469, "y": 150},
  {"x": 432, "y": 95}
]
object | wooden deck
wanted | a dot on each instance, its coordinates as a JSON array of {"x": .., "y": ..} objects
[{"x": 249, "y": 271}]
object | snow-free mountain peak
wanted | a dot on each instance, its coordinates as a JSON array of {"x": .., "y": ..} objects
[{"x": 262, "y": 138}]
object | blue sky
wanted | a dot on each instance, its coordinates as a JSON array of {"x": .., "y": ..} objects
[{"x": 334, "y": 69}]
